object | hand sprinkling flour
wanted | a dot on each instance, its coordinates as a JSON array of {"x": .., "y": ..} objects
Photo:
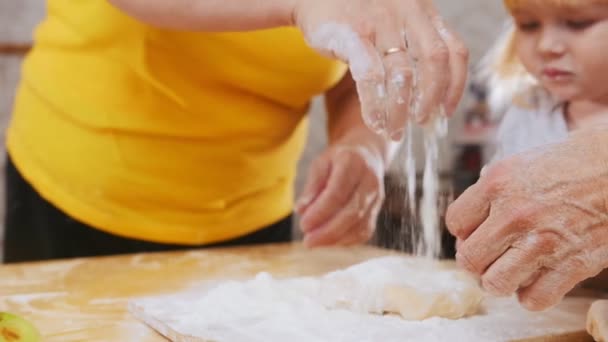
[
  {"x": 386, "y": 55},
  {"x": 403, "y": 60}
]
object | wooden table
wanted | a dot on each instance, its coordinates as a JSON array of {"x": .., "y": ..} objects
[{"x": 86, "y": 299}]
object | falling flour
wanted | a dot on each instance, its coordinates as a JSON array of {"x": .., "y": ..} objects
[
  {"x": 410, "y": 171},
  {"x": 428, "y": 242},
  {"x": 430, "y": 186},
  {"x": 341, "y": 41}
]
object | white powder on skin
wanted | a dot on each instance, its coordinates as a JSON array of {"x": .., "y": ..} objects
[
  {"x": 341, "y": 41},
  {"x": 363, "y": 201},
  {"x": 381, "y": 91},
  {"x": 365, "y": 64},
  {"x": 399, "y": 81},
  {"x": 443, "y": 31}
]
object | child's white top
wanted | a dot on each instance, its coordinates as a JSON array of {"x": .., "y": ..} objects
[{"x": 525, "y": 127}]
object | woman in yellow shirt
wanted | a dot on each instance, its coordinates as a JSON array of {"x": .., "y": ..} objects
[{"x": 156, "y": 125}]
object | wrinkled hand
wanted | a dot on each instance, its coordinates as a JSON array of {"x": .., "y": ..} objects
[
  {"x": 537, "y": 223},
  {"x": 431, "y": 60},
  {"x": 342, "y": 198}
]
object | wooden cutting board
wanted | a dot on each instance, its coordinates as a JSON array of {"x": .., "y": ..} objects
[
  {"x": 505, "y": 322},
  {"x": 270, "y": 309},
  {"x": 87, "y": 299}
]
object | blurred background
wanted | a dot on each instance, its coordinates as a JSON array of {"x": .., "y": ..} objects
[{"x": 463, "y": 153}]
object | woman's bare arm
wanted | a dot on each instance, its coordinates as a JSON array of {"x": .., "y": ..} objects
[{"x": 210, "y": 15}]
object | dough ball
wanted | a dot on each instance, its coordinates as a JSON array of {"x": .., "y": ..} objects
[
  {"x": 414, "y": 288},
  {"x": 597, "y": 321}
]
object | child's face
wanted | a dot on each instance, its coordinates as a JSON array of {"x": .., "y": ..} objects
[{"x": 565, "y": 46}]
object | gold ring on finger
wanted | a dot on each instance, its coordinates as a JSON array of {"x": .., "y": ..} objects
[{"x": 393, "y": 50}]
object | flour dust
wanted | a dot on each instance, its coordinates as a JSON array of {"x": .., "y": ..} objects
[
  {"x": 419, "y": 231},
  {"x": 429, "y": 244}
]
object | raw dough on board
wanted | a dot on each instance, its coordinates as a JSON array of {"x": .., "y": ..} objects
[
  {"x": 597, "y": 321},
  {"x": 269, "y": 309},
  {"x": 414, "y": 288}
]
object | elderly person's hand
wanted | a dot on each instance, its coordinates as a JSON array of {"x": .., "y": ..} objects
[
  {"x": 343, "y": 196},
  {"x": 389, "y": 44},
  {"x": 537, "y": 223}
]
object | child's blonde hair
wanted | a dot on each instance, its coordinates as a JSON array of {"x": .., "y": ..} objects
[
  {"x": 515, "y": 4},
  {"x": 503, "y": 74}
]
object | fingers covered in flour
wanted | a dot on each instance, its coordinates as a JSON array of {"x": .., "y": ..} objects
[
  {"x": 535, "y": 223},
  {"x": 389, "y": 45},
  {"x": 345, "y": 211}
]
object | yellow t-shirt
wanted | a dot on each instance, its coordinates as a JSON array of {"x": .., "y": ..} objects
[{"x": 166, "y": 136}]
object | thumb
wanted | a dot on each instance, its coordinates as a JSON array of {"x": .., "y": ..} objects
[{"x": 316, "y": 182}]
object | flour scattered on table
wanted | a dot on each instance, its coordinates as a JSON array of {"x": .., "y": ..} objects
[{"x": 267, "y": 309}]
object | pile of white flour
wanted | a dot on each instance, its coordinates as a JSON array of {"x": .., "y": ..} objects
[{"x": 265, "y": 309}]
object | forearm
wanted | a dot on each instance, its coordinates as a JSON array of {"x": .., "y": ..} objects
[
  {"x": 210, "y": 15},
  {"x": 346, "y": 126}
]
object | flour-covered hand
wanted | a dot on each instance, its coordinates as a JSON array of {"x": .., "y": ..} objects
[
  {"x": 392, "y": 47},
  {"x": 342, "y": 198},
  {"x": 537, "y": 223}
]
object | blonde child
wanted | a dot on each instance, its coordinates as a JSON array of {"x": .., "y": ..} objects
[
  {"x": 535, "y": 223},
  {"x": 548, "y": 73}
]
